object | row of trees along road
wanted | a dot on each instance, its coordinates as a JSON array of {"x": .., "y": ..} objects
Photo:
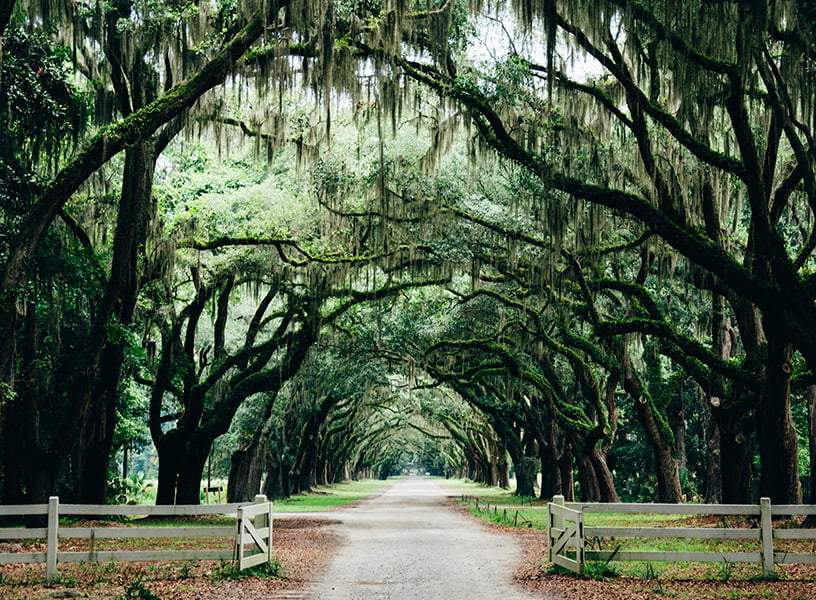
[{"x": 351, "y": 236}]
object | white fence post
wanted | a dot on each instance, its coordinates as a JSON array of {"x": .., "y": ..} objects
[
  {"x": 556, "y": 521},
  {"x": 265, "y": 520},
  {"x": 52, "y": 541},
  {"x": 766, "y": 537}
]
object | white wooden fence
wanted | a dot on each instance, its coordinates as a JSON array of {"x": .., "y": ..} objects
[
  {"x": 251, "y": 537},
  {"x": 569, "y": 537}
]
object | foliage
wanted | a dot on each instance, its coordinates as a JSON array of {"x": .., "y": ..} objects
[
  {"x": 605, "y": 290},
  {"x": 229, "y": 571},
  {"x": 137, "y": 590}
]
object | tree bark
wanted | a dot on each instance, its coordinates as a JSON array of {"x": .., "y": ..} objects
[
  {"x": 246, "y": 471},
  {"x": 735, "y": 452},
  {"x": 811, "y": 408},
  {"x": 776, "y": 434},
  {"x": 603, "y": 475},
  {"x": 550, "y": 472},
  {"x": 666, "y": 470},
  {"x": 526, "y": 470},
  {"x": 713, "y": 493},
  {"x": 565, "y": 465},
  {"x": 6, "y": 10},
  {"x": 590, "y": 489}
]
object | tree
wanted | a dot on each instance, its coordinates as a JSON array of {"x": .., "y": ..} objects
[
  {"x": 744, "y": 134},
  {"x": 144, "y": 108}
]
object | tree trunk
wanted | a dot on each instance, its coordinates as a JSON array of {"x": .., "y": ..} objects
[
  {"x": 170, "y": 457},
  {"x": 565, "y": 465},
  {"x": 735, "y": 454},
  {"x": 526, "y": 470},
  {"x": 811, "y": 408},
  {"x": 666, "y": 470},
  {"x": 247, "y": 465},
  {"x": 590, "y": 490},
  {"x": 118, "y": 304},
  {"x": 182, "y": 458},
  {"x": 679, "y": 429},
  {"x": 274, "y": 486},
  {"x": 713, "y": 493},
  {"x": 603, "y": 475},
  {"x": 550, "y": 473},
  {"x": 503, "y": 468},
  {"x": 246, "y": 471},
  {"x": 191, "y": 473},
  {"x": 776, "y": 434}
]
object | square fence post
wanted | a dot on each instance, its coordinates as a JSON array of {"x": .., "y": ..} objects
[
  {"x": 238, "y": 554},
  {"x": 580, "y": 555},
  {"x": 766, "y": 537},
  {"x": 265, "y": 520},
  {"x": 555, "y": 521},
  {"x": 52, "y": 539}
]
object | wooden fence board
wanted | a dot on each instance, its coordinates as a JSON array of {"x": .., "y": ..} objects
[
  {"x": 709, "y": 533},
  {"x": 254, "y": 560},
  {"x": 179, "y": 510},
  {"x": 22, "y": 557},
  {"x": 793, "y": 509},
  {"x": 795, "y": 534},
  {"x": 144, "y": 555},
  {"x": 657, "y": 556},
  {"x": 23, "y": 509},
  {"x": 20, "y": 533},
  {"x": 791, "y": 558},
  {"x": 664, "y": 509},
  {"x": 108, "y": 533},
  {"x": 255, "y": 536}
]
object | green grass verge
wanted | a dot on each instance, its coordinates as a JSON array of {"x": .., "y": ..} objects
[
  {"x": 328, "y": 497},
  {"x": 494, "y": 505},
  {"x": 497, "y": 505}
]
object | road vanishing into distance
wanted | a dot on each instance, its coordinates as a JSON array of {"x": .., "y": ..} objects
[{"x": 409, "y": 543}]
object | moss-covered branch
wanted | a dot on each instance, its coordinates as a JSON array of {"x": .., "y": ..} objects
[{"x": 114, "y": 138}]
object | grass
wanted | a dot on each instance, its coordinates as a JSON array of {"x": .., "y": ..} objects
[
  {"x": 327, "y": 497},
  {"x": 498, "y": 505}
]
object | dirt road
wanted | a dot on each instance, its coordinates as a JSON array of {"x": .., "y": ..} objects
[{"x": 409, "y": 544}]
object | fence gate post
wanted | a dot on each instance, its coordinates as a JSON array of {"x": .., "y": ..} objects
[
  {"x": 766, "y": 537},
  {"x": 52, "y": 540},
  {"x": 556, "y": 521},
  {"x": 264, "y": 520}
]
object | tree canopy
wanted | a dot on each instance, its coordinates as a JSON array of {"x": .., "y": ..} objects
[{"x": 346, "y": 238}]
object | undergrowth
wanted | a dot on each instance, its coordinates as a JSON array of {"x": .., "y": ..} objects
[
  {"x": 137, "y": 590},
  {"x": 229, "y": 571}
]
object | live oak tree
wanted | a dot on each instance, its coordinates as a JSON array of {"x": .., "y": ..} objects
[
  {"x": 738, "y": 149},
  {"x": 130, "y": 88},
  {"x": 675, "y": 160}
]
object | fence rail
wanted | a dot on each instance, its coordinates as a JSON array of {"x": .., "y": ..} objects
[
  {"x": 251, "y": 537},
  {"x": 569, "y": 536}
]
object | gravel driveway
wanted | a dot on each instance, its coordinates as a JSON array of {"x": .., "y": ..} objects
[{"x": 407, "y": 544}]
